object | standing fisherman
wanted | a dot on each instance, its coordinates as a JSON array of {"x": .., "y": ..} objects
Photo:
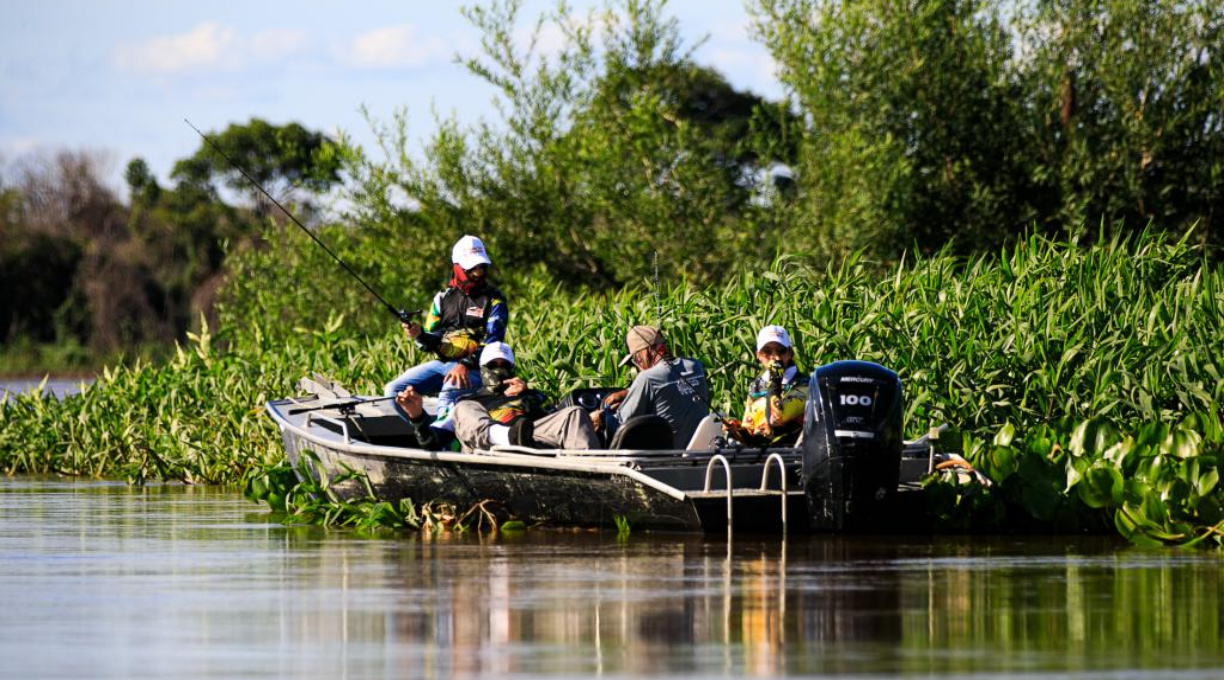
[{"x": 463, "y": 318}]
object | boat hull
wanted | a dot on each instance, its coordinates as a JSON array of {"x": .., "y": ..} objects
[
  {"x": 534, "y": 494},
  {"x": 682, "y": 490}
]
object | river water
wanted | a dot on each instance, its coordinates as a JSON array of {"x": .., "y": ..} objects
[
  {"x": 103, "y": 580},
  {"x": 60, "y": 387}
]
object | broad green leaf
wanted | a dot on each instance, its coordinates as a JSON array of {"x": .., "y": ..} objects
[
  {"x": 1005, "y": 435},
  {"x": 1208, "y": 481}
]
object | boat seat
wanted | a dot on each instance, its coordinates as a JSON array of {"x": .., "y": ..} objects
[
  {"x": 709, "y": 429},
  {"x": 644, "y": 433}
]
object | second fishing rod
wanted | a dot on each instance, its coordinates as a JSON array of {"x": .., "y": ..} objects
[{"x": 400, "y": 313}]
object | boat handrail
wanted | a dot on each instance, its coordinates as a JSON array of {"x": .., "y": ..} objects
[
  {"x": 781, "y": 478},
  {"x": 719, "y": 458}
]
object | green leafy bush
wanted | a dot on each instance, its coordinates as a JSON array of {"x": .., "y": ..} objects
[{"x": 1125, "y": 335}]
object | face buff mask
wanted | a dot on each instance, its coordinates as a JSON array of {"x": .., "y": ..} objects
[{"x": 495, "y": 377}]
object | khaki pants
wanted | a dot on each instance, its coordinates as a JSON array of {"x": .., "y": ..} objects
[{"x": 569, "y": 428}]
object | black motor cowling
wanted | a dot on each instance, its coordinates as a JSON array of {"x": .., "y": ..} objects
[{"x": 851, "y": 445}]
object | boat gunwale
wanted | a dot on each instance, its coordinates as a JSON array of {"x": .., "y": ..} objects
[{"x": 627, "y": 463}]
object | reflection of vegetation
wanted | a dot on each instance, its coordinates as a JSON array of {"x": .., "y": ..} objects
[
  {"x": 573, "y": 603},
  {"x": 622, "y": 526},
  {"x": 1123, "y": 611},
  {"x": 823, "y": 606}
]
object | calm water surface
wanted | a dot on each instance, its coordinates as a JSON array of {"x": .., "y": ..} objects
[
  {"x": 60, "y": 387},
  {"x": 101, "y": 580}
]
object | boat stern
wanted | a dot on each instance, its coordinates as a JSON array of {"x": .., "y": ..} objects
[{"x": 852, "y": 445}]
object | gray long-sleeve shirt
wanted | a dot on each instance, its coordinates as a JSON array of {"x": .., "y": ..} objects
[{"x": 676, "y": 390}]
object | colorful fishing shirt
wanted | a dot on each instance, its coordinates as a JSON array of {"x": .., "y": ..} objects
[
  {"x": 777, "y": 418},
  {"x": 459, "y": 325}
]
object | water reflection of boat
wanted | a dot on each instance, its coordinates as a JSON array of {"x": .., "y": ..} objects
[
  {"x": 649, "y": 607},
  {"x": 850, "y": 471}
]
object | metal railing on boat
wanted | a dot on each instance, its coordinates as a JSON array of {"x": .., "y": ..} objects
[{"x": 730, "y": 492}]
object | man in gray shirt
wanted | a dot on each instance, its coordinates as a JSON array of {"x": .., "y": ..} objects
[{"x": 674, "y": 388}]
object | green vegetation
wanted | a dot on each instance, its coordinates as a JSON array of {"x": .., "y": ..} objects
[
  {"x": 304, "y": 496},
  {"x": 1017, "y": 350},
  {"x": 907, "y": 128},
  {"x": 88, "y": 281},
  {"x": 965, "y": 192},
  {"x": 933, "y": 120}
]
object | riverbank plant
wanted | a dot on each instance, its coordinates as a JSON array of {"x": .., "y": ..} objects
[
  {"x": 1154, "y": 484},
  {"x": 1017, "y": 350},
  {"x": 304, "y": 495}
]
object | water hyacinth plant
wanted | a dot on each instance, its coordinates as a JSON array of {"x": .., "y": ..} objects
[
  {"x": 1024, "y": 352},
  {"x": 1157, "y": 484},
  {"x": 304, "y": 495}
]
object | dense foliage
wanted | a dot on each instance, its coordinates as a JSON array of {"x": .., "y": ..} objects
[
  {"x": 1016, "y": 350},
  {"x": 86, "y": 278},
  {"x": 956, "y": 190},
  {"x": 907, "y": 126},
  {"x": 926, "y": 121}
]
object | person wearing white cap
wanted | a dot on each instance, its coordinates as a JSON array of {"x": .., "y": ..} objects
[
  {"x": 504, "y": 411},
  {"x": 462, "y": 319},
  {"x": 773, "y": 414}
]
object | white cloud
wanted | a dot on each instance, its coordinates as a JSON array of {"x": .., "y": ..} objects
[
  {"x": 549, "y": 42},
  {"x": 208, "y": 47},
  {"x": 395, "y": 47},
  {"x": 278, "y": 43},
  {"x": 752, "y": 65},
  {"x": 744, "y": 62}
]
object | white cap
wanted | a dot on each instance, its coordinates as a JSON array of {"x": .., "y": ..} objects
[
  {"x": 770, "y": 334},
  {"x": 494, "y": 351},
  {"x": 469, "y": 252}
]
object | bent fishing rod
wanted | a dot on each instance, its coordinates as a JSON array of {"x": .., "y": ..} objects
[{"x": 399, "y": 313}]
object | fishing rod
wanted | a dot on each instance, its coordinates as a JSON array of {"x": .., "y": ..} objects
[
  {"x": 349, "y": 404},
  {"x": 341, "y": 405},
  {"x": 399, "y": 313},
  {"x": 667, "y": 357}
]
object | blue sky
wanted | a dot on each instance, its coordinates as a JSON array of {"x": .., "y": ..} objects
[{"x": 119, "y": 77}]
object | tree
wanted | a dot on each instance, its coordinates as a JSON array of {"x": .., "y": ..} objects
[
  {"x": 911, "y": 122},
  {"x": 280, "y": 158},
  {"x": 1128, "y": 101},
  {"x": 609, "y": 150},
  {"x": 142, "y": 185}
]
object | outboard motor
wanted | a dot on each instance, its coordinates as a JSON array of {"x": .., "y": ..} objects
[{"x": 851, "y": 445}]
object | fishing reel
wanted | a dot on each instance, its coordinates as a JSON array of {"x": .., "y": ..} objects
[{"x": 406, "y": 316}]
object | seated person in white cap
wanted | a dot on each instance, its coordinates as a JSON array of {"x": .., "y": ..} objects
[
  {"x": 675, "y": 389},
  {"x": 773, "y": 414},
  {"x": 463, "y": 318},
  {"x": 504, "y": 411}
]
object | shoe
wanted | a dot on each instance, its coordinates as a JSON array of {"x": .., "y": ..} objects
[{"x": 522, "y": 433}]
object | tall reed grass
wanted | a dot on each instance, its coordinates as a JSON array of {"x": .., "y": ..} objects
[{"x": 1017, "y": 350}]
